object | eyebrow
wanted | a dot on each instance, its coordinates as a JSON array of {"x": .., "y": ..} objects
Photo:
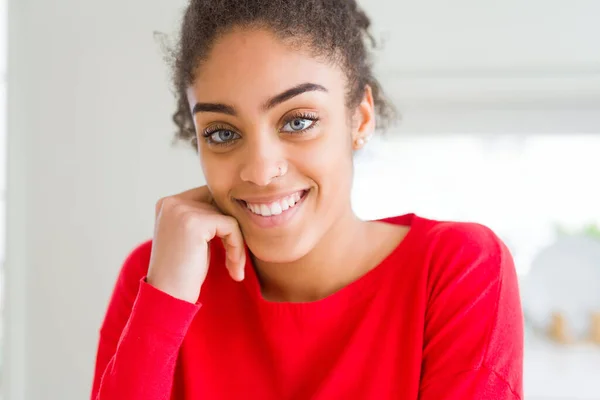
[
  {"x": 213, "y": 107},
  {"x": 272, "y": 102}
]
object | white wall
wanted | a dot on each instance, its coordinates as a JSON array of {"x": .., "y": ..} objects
[
  {"x": 89, "y": 153},
  {"x": 458, "y": 38}
]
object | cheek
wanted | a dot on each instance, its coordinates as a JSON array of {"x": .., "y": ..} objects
[
  {"x": 219, "y": 174},
  {"x": 330, "y": 164}
]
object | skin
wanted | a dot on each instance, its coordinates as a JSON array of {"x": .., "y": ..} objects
[{"x": 257, "y": 141}]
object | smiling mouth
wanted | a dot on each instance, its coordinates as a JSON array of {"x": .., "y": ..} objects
[{"x": 275, "y": 207}]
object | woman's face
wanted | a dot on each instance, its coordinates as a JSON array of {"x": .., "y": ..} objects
[{"x": 275, "y": 140}]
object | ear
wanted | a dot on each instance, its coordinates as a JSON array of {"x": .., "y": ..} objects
[{"x": 364, "y": 120}]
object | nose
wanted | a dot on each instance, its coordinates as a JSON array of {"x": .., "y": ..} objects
[{"x": 264, "y": 161}]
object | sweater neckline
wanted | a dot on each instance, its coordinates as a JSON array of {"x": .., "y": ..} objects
[{"x": 356, "y": 291}]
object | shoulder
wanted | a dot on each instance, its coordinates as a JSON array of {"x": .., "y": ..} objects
[
  {"x": 466, "y": 253},
  {"x": 468, "y": 238},
  {"x": 135, "y": 266},
  {"x": 466, "y": 241},
  {"x": 451, "y": 242},
  {"x": 133, "y": 269}
]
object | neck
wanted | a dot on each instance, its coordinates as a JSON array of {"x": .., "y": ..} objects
[{"x": 328, "y": 267}]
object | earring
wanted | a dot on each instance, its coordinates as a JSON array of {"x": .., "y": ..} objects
[
  {"x": 360, "y": 142},
  {"x": 281, "y": 171}
]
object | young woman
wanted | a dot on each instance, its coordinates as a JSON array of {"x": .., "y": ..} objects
[{"x": 264, "y": 284}]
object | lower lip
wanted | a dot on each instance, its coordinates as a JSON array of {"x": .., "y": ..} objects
[{"x": 275, "y": 220}]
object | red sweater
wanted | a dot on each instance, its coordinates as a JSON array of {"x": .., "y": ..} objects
[{"x": 439, "y": 318}]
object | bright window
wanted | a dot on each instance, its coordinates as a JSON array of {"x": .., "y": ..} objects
[{"x": 522, "y": 186}]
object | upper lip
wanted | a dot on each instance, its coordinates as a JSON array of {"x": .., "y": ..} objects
[{"x": 269, "y": 198}]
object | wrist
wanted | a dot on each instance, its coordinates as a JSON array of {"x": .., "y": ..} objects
[{"x": 174, "y": 290}]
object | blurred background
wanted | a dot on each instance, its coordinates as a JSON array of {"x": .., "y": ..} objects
[{"x": 501, "y": 125}]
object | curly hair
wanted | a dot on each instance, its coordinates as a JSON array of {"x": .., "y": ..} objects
[{"x": 337, "y": 30}]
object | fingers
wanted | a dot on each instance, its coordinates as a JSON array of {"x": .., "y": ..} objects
[
  {"x": 200, "y": 195},
  {"x": 228, "y": 230},
  {"x": 200, "y": 210}
]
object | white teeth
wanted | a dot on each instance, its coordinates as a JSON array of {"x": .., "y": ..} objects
[
  {"x": 276, "y": 207},
  {"x": 265, "y": 210}
]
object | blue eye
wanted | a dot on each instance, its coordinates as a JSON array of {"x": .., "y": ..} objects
[
  {"x": 298, "y": 124},
  {"x": 222, "y": 136}
]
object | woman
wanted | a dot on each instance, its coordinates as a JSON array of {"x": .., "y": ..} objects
[{"x": 299, "y": 299}]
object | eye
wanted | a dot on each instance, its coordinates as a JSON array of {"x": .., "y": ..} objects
[
  {"x": 297, "y": 124},
  {"x": 222, "y": 136}
]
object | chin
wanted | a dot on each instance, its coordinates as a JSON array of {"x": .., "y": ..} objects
[{"x": 279, "y": 251}]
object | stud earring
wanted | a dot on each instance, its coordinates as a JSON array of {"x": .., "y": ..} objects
[{"x": 360, "y": 142}]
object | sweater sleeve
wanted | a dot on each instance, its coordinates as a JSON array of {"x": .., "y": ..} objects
[
  {"x": 140, "y": 337},
  {"x": 473, "y": 339}
]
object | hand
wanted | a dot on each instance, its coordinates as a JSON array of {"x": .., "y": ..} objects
[{"x": 184, "y": 226}]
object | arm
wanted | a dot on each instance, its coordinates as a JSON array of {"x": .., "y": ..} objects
[
  {"x": 473, "y": 345},
  {"x": 147, "y": 319},
  {"x": 140, "y": 337}
]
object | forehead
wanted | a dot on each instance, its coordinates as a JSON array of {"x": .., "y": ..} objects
[{"x": 254, "y": 65}]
